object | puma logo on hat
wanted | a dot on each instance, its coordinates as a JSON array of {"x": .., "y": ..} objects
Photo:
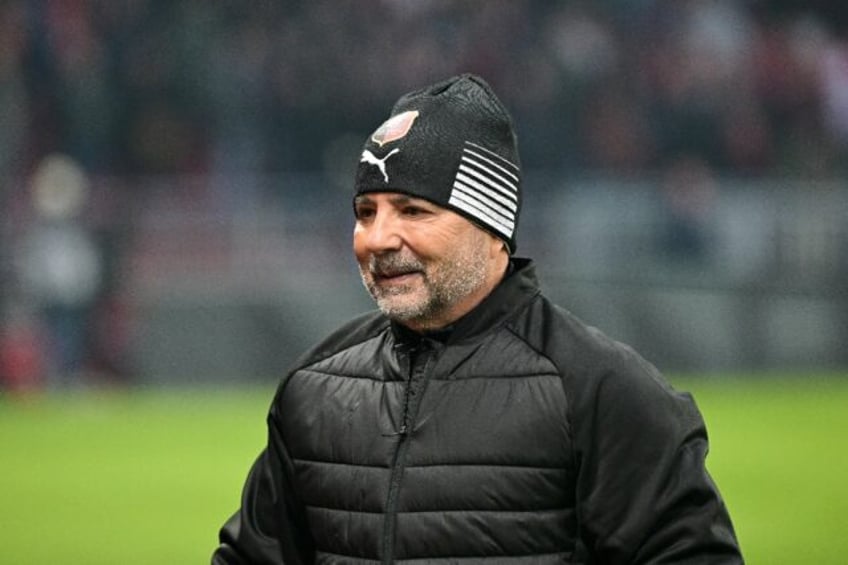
[{"x": 371, "y": 159}]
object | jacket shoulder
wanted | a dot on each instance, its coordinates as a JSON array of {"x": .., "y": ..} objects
[
  {"x": 565, "y": 338},
  {"x": 583, "y": 354},
  {"x": 353, "y": 332}
]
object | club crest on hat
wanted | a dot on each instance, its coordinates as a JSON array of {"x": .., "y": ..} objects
[{"x": 394, "y": 128}]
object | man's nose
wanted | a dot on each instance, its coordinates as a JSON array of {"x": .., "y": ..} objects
[{"x": 383, "y": 234}]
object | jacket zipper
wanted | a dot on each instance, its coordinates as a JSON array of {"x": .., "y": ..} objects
[{"x": 417, "y": 375}]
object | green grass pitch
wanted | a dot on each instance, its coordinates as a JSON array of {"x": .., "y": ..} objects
[{"x": 148, "y": 476}]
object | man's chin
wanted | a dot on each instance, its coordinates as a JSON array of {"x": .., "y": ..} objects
[{"x": 402, "y": 309}]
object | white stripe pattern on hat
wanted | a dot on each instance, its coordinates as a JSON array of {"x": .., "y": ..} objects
[{"x": 486, "y": 187}]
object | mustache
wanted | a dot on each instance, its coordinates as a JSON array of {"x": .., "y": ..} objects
[{"x": 393, "y": 264}]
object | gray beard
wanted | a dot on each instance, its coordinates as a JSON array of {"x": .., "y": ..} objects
[{"x": 453, "y": 281}]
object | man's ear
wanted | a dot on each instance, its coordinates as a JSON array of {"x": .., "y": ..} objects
[{"x": 497, "y": 246}]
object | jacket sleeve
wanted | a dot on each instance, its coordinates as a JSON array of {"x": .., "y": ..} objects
[
  {"x": 270, "y": 526},
  {"x": 643, "y": 492}
]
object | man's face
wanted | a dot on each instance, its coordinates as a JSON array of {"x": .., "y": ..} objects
[{"x": 425, "y": 265}]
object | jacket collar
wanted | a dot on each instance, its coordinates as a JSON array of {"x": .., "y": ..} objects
[{"x": 517, "y": 288}]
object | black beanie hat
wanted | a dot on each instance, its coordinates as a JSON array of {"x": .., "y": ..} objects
[{"x": 451, "y": 143}]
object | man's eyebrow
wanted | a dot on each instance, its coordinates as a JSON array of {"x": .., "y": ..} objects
[
  {"x": 396, "y": 199},
  {"x": 401, "y": 199}
]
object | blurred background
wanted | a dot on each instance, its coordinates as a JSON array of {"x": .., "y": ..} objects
[
  {"x": 175, "y": 177},
  {"x": 175, "y": 185}
]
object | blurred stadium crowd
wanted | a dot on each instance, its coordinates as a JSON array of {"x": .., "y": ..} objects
[
  {"x": 137, "y": 88},
  {"x": 153, "y": 86}
]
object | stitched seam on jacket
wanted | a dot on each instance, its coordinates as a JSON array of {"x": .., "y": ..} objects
[
  {"x": 500, "y": 377},
  {"x": 439, "y": 511},
  {"x": 432, "y": 465},
  {"x": 448, "y": 558},
  {"x": 338, "y": 375}
]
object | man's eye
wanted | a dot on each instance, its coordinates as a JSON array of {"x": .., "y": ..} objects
[
  {"x": 414, "y": 211},
  {"x": 363, "y": 213}
]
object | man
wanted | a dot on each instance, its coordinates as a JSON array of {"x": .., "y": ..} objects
[{"x": 470, "y": 419}]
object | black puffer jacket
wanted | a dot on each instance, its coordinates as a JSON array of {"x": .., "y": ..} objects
[{"x": 521, "y": 437}]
